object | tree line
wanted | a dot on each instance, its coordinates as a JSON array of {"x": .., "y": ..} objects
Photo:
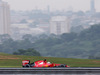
[{"x": 85, "y": 44}]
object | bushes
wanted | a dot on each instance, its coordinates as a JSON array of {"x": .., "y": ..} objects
[{"x": 28, "y": 52}]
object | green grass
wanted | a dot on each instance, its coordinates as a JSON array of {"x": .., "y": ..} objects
[{"x": 7, "y": 60}]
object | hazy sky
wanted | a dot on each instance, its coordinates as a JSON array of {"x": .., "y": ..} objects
[{"x": 66, "y": 5}]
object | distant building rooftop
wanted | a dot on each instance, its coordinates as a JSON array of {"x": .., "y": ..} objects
[{"x": 58, "y": 18}]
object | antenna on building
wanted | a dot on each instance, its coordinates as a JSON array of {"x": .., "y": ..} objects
[
  {"x": 93, "y": 7},
  {"x": 48, "y": 9}
]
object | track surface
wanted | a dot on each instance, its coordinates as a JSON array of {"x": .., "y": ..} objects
[{"x": 78, "y": 70}]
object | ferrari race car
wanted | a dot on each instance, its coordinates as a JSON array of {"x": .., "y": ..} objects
[{"x": 41, "y": 63}]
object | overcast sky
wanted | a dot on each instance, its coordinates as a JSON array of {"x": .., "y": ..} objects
[{"x": 75, "y": 5}]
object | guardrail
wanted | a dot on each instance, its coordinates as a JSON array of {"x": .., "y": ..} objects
[{"x": 49, "y": 70}]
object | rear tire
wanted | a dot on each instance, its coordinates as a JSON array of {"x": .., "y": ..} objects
[
  {"x": 27, "y": 65},
  {"x": 23, "y": 66}
]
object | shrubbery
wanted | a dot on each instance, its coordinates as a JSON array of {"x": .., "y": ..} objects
[{"x": 28, "y": 52}]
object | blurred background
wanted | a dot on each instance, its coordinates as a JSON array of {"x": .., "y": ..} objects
[{"x": 54, "y": 28}]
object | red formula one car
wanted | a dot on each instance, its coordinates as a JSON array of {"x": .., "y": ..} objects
[{"x": 41, "y": 63}]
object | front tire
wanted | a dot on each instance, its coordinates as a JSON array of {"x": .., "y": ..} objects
[{"x": 62, "y": 65}]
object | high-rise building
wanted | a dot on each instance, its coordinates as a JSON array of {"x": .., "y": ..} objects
[
  {"x": 59, "y": 25},
  {"x": 4, "y": 18},
  {"x": 92, "y": 7},
  {"x": 48, "y": 9}
]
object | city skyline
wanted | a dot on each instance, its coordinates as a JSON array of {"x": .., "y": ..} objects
[{"x": 64, "y": 5}]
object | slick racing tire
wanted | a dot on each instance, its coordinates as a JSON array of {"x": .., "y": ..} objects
[
  {"x": 27, "y": 65},
  {"x": 62, "y": 65},
  {"x": 23, "y": 66}
]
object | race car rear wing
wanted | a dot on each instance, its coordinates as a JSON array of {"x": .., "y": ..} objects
[{"x": 24, "y": 62}]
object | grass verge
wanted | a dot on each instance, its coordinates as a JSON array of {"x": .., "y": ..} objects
[{"x": 7, "y": 60}]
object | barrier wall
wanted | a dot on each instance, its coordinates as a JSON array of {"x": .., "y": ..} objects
[{"x": 50, "y": 71}]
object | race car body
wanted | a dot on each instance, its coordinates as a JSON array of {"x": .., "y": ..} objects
[{"x": 41, "y": 63}]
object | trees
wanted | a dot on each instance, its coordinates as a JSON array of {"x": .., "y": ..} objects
[
  {"x": 68, "y": 36},
  {"x": 4, "y": 37},
  {"x": 76, "y": 45},
  {"x": 29, "y": 52},
  {"x": 92, "y": 33}
]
